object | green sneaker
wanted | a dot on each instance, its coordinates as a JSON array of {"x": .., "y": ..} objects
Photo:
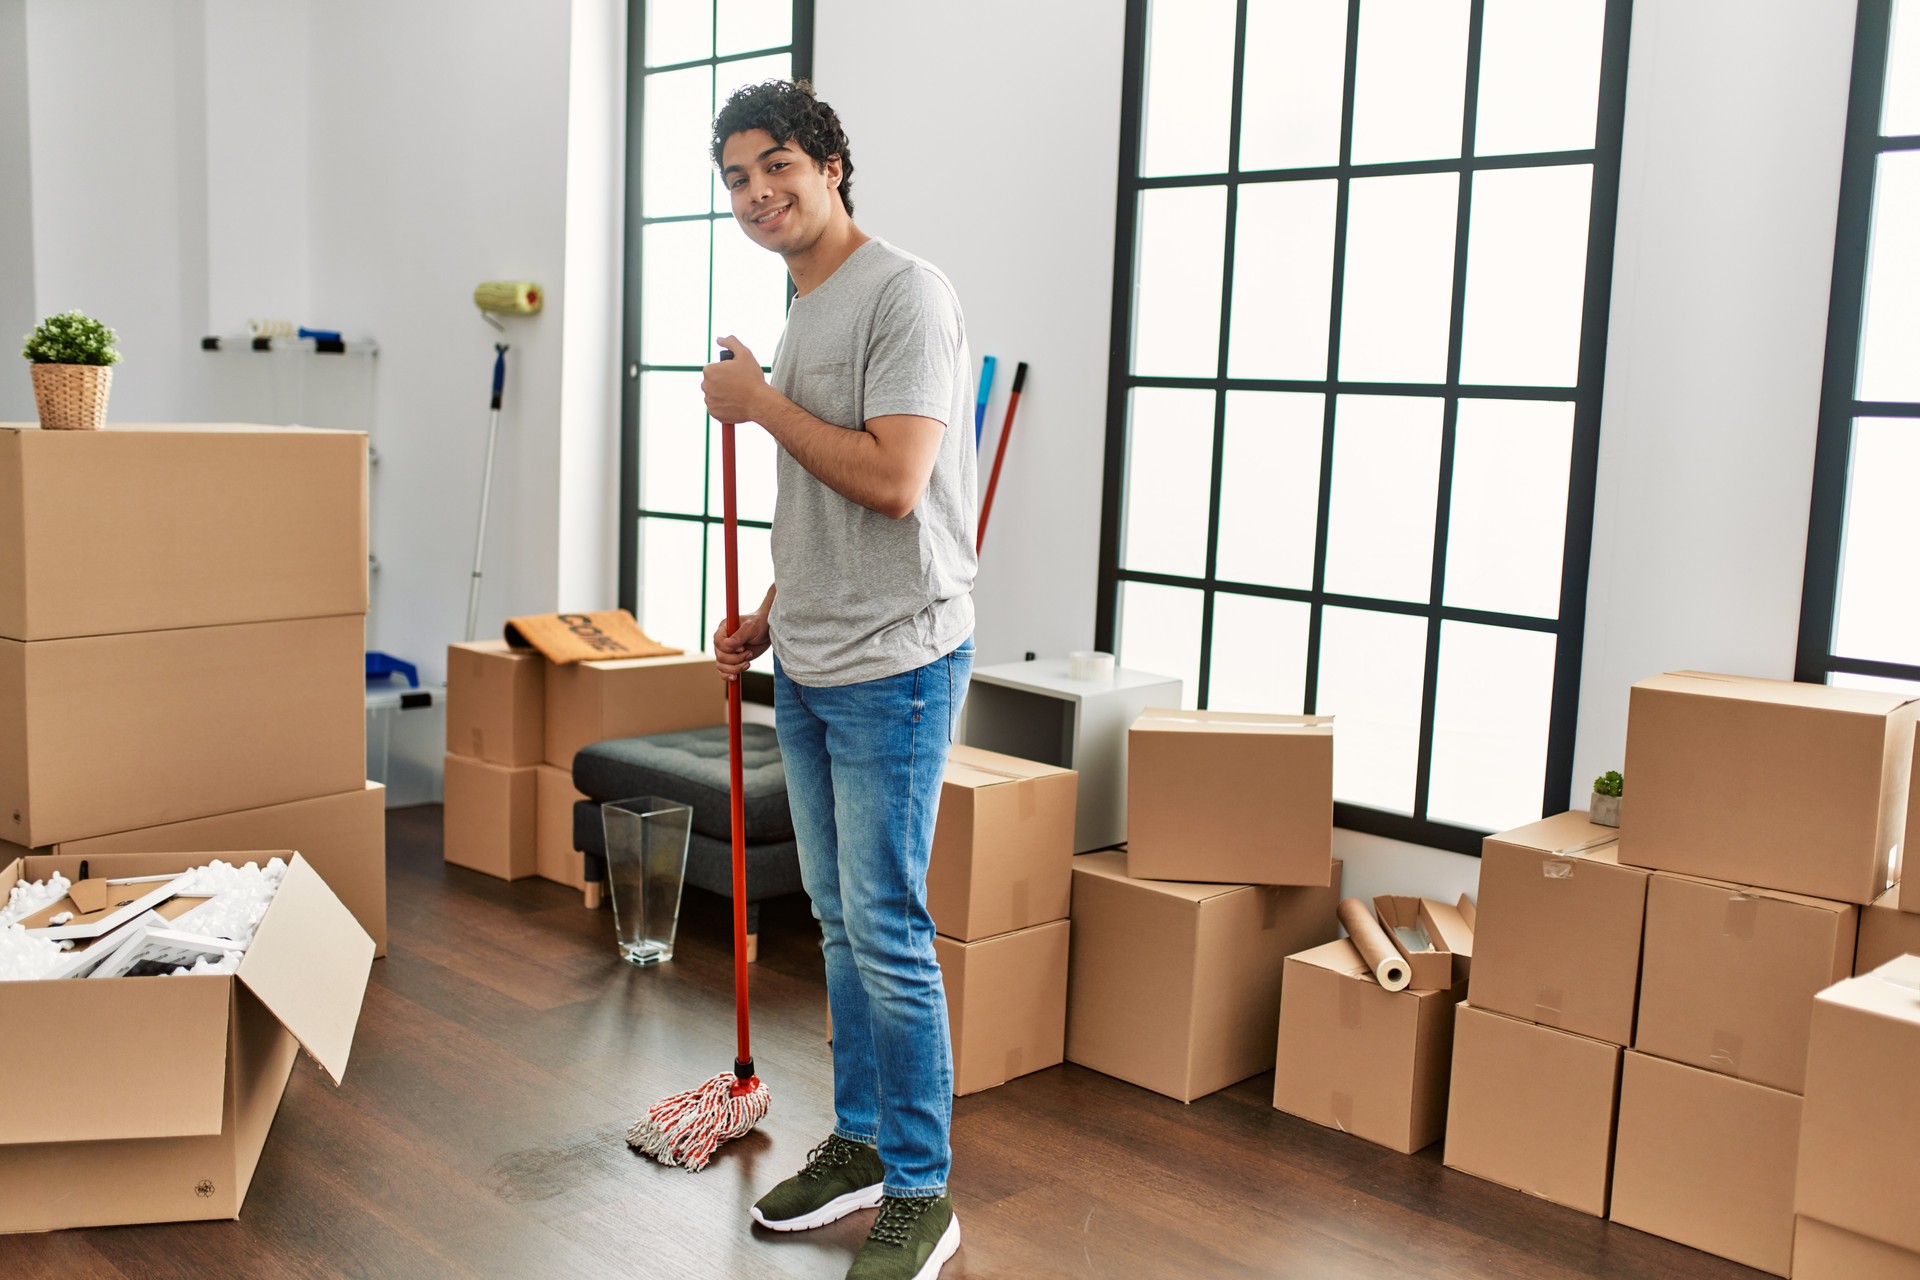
[
  {"x": 912, "y": 1240},
  {"x": 839, "y": 1178}
]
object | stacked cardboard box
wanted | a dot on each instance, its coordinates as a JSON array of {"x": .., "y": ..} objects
[
  {"x": 182, "y": 630},
  {"x": 514, "y": 722},
  {"x": 1769, "y": 812},
  {"x": 1180, "y": 940},
  {"x": 1858, "y": 1165},
  {"x": 998, "y": 888},
  {"x": 1537, "y": 1049}
]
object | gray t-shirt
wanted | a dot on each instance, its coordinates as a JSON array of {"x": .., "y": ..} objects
[{"x": 862, "y": 597}]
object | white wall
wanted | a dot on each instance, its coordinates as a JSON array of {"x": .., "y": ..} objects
[
  {"x": 117, "y": 120},
  {"x": 16, "y": 215},
  {"x": 258, "y": 228},
  {"x": 1730, "y": 183},
  {"x": 438, "y": 142}
]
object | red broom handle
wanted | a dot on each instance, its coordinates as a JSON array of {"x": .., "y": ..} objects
[
  {"x": 737, "y": 790},
  {"x": 1000, "y": 454}
]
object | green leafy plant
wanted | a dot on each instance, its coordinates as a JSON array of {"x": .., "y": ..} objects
[
  {"x": 72, "y": 337},
  {"x": 1609, "y": 783}
]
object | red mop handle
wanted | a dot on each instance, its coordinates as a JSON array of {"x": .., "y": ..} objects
[
  {"x": 737, "y": 789},
  {"x": 1000, "y": 454}
]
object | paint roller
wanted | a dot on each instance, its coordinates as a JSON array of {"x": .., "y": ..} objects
[
  {"x": 1386, "y": 964},
  {"x": 511, "y": 298}
]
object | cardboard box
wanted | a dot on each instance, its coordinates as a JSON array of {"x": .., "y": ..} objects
[
  {"x": 1730, "y": 974},
  {"x": 1176, "y": 987},
  {"x": 1859, "y": 1164},
  {"x": 160, "y": 526},
  {"x": 496, "y": 703},
  {"x": 554, "y": 856},
  {"x": 343, "y": 837},
  {"x": 165, "y": 1115},
  {"x": 1448, "y": 961},
  {"x": 109, "y": 733},
  {"x": 1557, "y": 936},
  {"x": 1825, "y": 1252},
  {"x": 1707, "y": 762},
  {"x": 589, "y": 702},
  {"x": 1006, "y": 1002},
  {"x": 1222, "y": 797},
  {"x": 1706, "y": 1160},
  {"x": 1886, "y": 932},
  {"x": 490, "y": 821},
  {"x": 1532, "y": 1108},
  {"x": 1359, "y": 1058},
  {"x": 1002, "y": 845}
]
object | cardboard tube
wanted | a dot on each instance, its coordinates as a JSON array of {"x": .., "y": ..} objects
[{"x": 1388, "y": 965}]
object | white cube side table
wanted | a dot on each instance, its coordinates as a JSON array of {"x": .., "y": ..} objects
[{"x": 1036, "y": 711}]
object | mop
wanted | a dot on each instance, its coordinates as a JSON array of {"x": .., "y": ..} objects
[
  {"x": 685, "y": 1129},
  {"x": 1000, "y": 454}
]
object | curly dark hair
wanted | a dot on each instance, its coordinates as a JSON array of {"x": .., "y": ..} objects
[{"x": 788, "y": 110}]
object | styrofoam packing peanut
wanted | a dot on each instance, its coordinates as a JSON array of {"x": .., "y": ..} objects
[
  {"x": 25, "y": 957},
  {"x": 241, "y": 896},
  {"x": 229, "y": 963},
  {"x": 29, "y": 896},
  {"x": 237, "y": 900}
]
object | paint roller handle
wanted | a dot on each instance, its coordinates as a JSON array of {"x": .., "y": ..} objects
[
  {"x": 1019, "y": 377},
  {"x": 499, "y": 372}
]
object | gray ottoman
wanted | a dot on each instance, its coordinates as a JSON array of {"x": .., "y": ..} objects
[{"x": 691, "y": 766}]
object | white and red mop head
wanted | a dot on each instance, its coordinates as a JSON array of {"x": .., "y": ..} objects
[{"x": 685, "y": 1129}]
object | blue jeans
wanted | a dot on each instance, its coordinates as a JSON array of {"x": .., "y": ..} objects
[{"x": 864, "y": 764}]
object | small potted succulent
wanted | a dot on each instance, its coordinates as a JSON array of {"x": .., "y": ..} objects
[
  {"x": 1605, "y": 809},
  {"x": 73, "y": 357}
]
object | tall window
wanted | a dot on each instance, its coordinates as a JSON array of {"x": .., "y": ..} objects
[
  {"x": 1859, "y": 614},
  {"x": 1361, "y": 281},
  {"x": 691, "y": 276}
]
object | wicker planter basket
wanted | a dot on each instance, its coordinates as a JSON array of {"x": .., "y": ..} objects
[{"x": 72, "y": 397}]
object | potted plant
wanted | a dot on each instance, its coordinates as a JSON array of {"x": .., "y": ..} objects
[
  {"x": 1605, "y": 809},
  {"x": 73, "y": 357}
]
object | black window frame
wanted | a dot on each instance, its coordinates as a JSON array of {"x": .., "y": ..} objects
[
  {"x": 1815, "y": 661},
  {"x": 1586, "y": 396},
  {"x": 758, "y": 685}
]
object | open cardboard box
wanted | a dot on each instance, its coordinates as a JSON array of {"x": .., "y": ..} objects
[
  {"x": 149, "y": 1099},
  {"x": 1447, "y": 931}
]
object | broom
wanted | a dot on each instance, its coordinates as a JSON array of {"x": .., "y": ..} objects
[{"x": 684, "y": 1129}]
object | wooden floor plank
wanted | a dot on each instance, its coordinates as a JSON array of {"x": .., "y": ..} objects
[{"x": 504, "y": 1049}]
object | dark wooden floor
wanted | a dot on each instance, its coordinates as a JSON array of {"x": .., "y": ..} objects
[{"x": 503, "y": 1051}]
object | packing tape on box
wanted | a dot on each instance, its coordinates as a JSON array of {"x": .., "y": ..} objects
[
  {"x": 1341, "y": 1106},
  {"x": 1743, "y": 910},
  {"x": 1556, "y": 868},
  {"x": 1020, "y": 897},
  {"x": 1015, "y": 1064},
  {"x": 1089, "y": 664},
  {"x": 1269, "y": 906},
  {"x": 1586, "y": 846},
  {"x": 1548, "y": 1004},
  {"x": 1350, "y": 993},
  {"x": 1029, "y": 804},
  {"x": 1723, "y": 1054},
  {"x": 1389, "y": 968},
  {"x": 1161, "y": 716}
]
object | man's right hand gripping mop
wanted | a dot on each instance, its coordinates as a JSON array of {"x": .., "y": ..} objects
[{"x": 685, "y": 1129}]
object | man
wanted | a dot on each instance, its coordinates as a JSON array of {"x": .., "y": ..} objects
[{"x": 871, "y": 620}]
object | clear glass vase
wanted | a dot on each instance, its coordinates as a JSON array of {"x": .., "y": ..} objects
[{"x": 646, "y": 868}]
